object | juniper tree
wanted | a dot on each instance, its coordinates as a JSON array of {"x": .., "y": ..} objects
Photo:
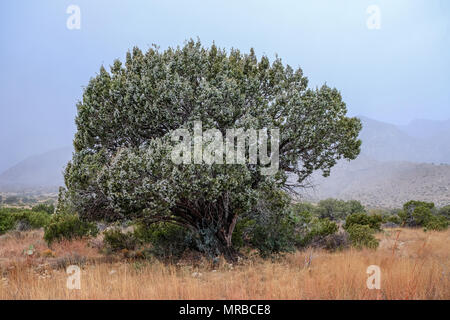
[{"x": 121, "y": 167}]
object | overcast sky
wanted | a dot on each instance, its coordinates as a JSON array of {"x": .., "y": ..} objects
[{"x": 396, "y": 73}]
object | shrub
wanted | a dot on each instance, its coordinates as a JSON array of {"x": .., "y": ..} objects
[
  {"x": 373, "y": 221},
  {"x": 445, "y": 211},
  {"x": 44, "y": 207},
  {"x": 304, "y": 207},
  {"x": 68, "y": 227},
  {"x": 283, "y": 231},
  {"x": 167, "y": 239},
  {"x": 438, "y": 223},
  {"x": 274, "y": 236},
  {"x": 116, "y": 240},
  {"x": 416, "y": 213},
  {"x": 335, "y": 241},
  {"x": 316, "y": 230},
  {"x": 11, "y": 218},
  {"x": 34, "y": 219},
  {"x": 7, "y": 221},
  {"x": 334, "y": 209},
  {"x": 392, "y": 219},
  {"x": 362, "y": 236}
]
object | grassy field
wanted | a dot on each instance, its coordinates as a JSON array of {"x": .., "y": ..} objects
[{"x": 414, "y": 265}]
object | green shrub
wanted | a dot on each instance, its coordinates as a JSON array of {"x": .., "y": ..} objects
[
  {"x": 438, "y": 223},
  {"x": 334, "y": 209},
  {"x": 373, "y": 221},
  {"x": 416, "y": 213},
  {"x": 274, "y": 236},
  {"x": 7, "y": 221},
  {"x": 44, "y": 207},
  {"x": 316, "y": 230},
  {"x": 392, "y": 219},
  {"x": 23, "y": 219},
  {"x": 362, "y": 236},
  {"x": 35, "y": 219},
  {"x": 445, "y": 211},
  {"x": 68, "y": 227},
  {"x": 116, "y": 240},
  {"x": 167, "y": 240},
  {"x": 304, "y": 207},
  {"x": 283, "y": 231}
]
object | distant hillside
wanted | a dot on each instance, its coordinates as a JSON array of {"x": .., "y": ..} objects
[
  {"x": 420, "y": 141},
  {"x": 384, "y": 184},
  {"x": 39, "y": 171}
]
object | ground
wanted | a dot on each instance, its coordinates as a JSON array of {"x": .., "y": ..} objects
[{"x": 414, "y": 265}]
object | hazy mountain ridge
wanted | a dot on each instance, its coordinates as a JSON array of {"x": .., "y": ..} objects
[
  {"x": 384, "y": 184},
  {"x": 419, "y": 141},
  {"x": 43, "y": 171}
]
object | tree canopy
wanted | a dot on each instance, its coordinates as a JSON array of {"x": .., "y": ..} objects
[{"x": 121, "y": 168}]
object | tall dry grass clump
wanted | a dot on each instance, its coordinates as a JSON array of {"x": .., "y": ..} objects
[{"x": 414, "y": 265}]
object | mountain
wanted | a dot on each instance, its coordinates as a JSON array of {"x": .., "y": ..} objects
[
  {"x": 396, "y": 164},
  {"x": 39, "y": 171},
  {"x": 383, "y": 184},
  {"x": 420, "y": 141},
  {"x": 424, "y": 129}
]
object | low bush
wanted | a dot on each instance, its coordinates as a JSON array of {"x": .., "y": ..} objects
[
  {"x": 438, "y": 223},
  {"x": 116, "y": 240},
  {"x": 168, "y": 241},
  {"x": 335, "y": 209},
  {"x": 416, "y": 213},
  {"x": 445, "y": 211},
  {"x": 22, "y": 219},
  {"x": 424, "y": 214},
  {"x": 68, "y": 227},
  {"x": 44, "y": 207},
  {"x": 361, "y": 236},
  {"x": 332, "y": 242},
  {"x": 316, "y": 230},
  {"x": 373, "y": 221},
  {"x": 289, "y": 228},
  {"x": 393, "y": 219}
]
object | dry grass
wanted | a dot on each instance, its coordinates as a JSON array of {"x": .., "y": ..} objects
[{"x": 414, "y": 265}]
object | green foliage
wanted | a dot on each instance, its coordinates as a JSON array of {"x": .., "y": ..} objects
[
  {"x": 335, "y": 209},
  {"x": 416, "y": 213},
  {"x": 314, "y": 231},
  {"x": 392, "y": 219},
  {"x": 445, "y": 211},
  {"x": 7, "y": 220},
  {"x": 277, "y": 226},
  {"x": 301, "y": 207},
  {"x": 121, "y": 169},
  {"x": 438, "y": 223},
  {"x": 424, "y": 214},
  {"x": 116, "y": 240},
  {"x": 11, "y": 218},
  {"x": 68, "y": 227},
  {"x": 273, "y": 236},
  {"x": 362, "y": 236},
  {"x": 168, "y": 241},
  {"x": 49, "y": 208},
  {"x": 373, "y": 221}
]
